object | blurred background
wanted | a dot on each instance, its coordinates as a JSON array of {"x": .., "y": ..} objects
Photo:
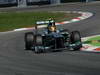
[{"x": 23, "y": 3}]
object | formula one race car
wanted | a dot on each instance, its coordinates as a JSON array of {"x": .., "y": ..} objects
[{"x": 52, "y": 39}]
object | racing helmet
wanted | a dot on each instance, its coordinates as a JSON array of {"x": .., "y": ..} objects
[{"x": 52, "y": 27}]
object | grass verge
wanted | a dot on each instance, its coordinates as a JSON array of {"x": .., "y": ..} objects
[
  {"x": 93, "y": 41},
  {"x": 13, "y": 20}
]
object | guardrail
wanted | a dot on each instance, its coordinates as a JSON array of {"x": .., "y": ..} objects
[{"x": 38, "y": 3}]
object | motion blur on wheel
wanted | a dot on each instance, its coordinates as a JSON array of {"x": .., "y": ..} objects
[{"x": 52, "y": 39}]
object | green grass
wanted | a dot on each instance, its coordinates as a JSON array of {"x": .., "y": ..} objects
[
  {"x": 13, "y": 20},
  {"x": 94, "y": 41},
  {"x": 95, "y": 38}
]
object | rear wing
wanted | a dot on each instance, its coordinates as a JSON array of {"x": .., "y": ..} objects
[{"x": 44, "y": 22}]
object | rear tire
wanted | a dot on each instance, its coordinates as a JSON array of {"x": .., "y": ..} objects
[
  {"x": 29, "y": 40},
  {"x": 76, "y": 37}
]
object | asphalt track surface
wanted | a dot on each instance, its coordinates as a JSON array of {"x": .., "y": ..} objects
[{"x": 14, "y": 60}]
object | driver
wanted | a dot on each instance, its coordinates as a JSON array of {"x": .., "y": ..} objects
[{"x": 51, "y": 27}]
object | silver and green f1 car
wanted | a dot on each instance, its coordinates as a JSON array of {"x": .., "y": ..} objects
[{"x": 52, "y": 39}]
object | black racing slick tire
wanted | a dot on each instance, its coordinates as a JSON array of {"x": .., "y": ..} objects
[
  {"x": 38, "y": 44},
  {"x": 29, "y": 40},
  {"x": 76, "y": 37},
  {"x": 38, "y": 39}
]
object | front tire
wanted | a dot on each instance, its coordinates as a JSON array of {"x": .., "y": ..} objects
[
  {"x": 39, "y": 44},
  {"x": 76, "y": 38}
]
